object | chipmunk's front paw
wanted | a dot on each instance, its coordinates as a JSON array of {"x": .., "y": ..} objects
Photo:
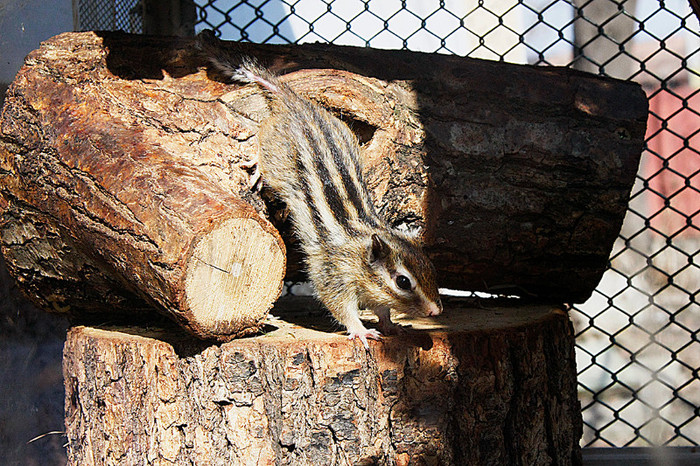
[{"x": 364, "y": 334}]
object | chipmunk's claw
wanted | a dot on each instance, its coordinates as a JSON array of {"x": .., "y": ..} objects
[{"x": 364, "y": 334}]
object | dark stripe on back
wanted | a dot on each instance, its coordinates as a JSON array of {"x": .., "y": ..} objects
[
  {"x": 369, "y": 205},
  {"x": 319, "y": 226},
  {"x": 330, "y": 192},
  {"x": 350, "y": 188}
]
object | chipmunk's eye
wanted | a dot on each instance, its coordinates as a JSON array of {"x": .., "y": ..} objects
[{"x": 403, "y": 282}]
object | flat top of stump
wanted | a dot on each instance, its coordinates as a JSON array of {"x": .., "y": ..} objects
[{"x": 296, "y": 319}]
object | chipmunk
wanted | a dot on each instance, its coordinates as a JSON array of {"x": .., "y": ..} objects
[{"x": 353, "y": 258}]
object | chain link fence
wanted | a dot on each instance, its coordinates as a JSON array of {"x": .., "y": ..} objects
[
  {"x": 108, "y": 15},
  {"x": 637, "y": 337}
]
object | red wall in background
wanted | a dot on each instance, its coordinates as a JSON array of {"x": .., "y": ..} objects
[{"x": 671, "y": 165}]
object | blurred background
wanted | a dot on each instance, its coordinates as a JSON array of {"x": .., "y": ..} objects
[{"x": 638, "y": 351}]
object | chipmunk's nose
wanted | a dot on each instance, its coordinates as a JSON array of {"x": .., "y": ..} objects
[{"x": 434, "y": 309}]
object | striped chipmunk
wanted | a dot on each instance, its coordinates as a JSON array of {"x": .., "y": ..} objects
[{"x": 354, "y": 259}]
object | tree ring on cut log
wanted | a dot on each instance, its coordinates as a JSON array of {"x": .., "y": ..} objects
[{"x": 233, "y": 277}]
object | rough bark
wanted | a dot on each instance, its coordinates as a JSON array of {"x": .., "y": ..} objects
[
  {"x": 517, "y": 177},
  {"x": 107, "y": 208},
  {"x": 475, "y": 386}
]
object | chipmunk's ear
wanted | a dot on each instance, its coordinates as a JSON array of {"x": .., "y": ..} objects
[{"x": 379, "y": 250}]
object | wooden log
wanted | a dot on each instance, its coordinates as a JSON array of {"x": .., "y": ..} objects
[
  {"x": 517, "y": 176},
  {"x": 102, "y": 211},
  {"x": 493, "y": 385}
]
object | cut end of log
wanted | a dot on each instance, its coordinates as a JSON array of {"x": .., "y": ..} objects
[{"x": 233, "y": 278}]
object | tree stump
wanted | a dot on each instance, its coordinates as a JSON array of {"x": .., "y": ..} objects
[{"x": 475, "y": 386}]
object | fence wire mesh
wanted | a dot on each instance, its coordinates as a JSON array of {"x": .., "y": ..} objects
[
  {"x": 638, "y": 352},
  {"x": 108, "y": 15}
]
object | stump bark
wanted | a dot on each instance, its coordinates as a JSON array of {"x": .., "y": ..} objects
[{"x": 474, "y": 386}]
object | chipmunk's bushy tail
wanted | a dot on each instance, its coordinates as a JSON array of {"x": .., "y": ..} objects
[{"x": 248, "y": 70}]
